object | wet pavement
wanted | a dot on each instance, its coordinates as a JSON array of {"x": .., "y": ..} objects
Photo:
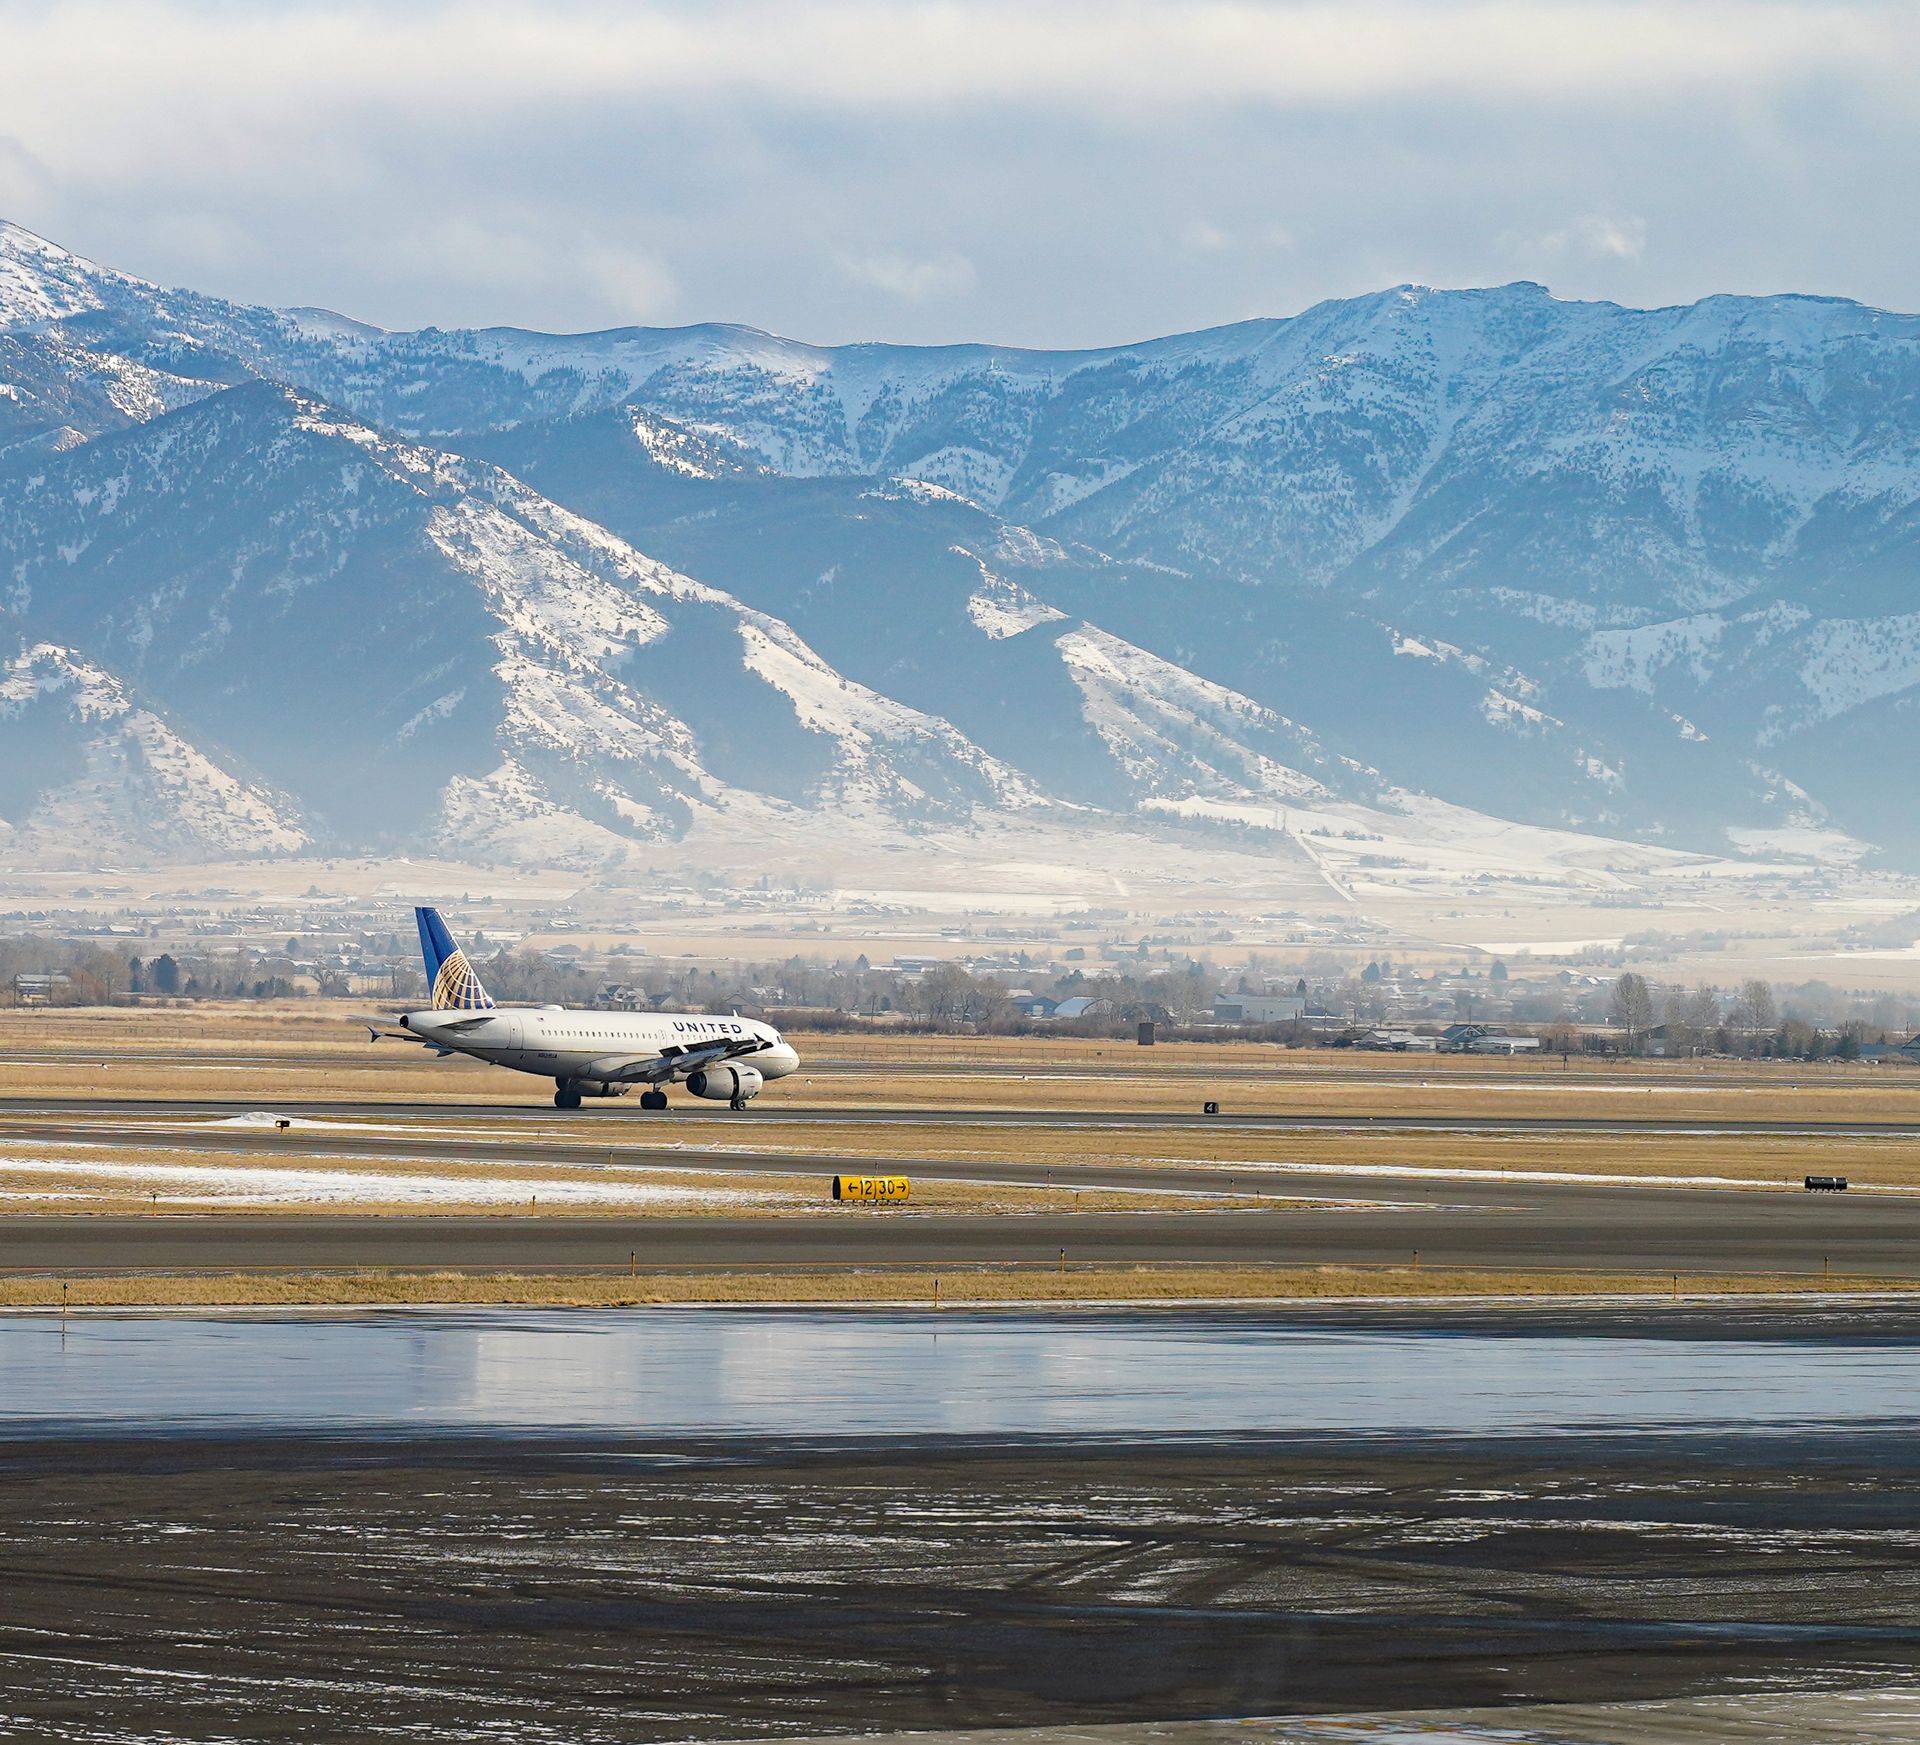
[
  {"x": 831, "y": 1373},
  {"x": 672, "y": 1525}
]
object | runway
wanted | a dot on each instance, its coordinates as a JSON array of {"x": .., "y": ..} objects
[
  {"x": 1537, "y": 1226},
  {"x": 627, "y": 1149},
  {"x": 624, "y": 1113},
  {"x": 1496, "y": 1222}
]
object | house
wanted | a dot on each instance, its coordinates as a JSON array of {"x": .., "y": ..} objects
[
  {"x": 1035, "y": 1006},
  {"x": 1258, "y": 1008},
  {"x": 1662, "y": 1043},
  {"x": 1082, "y": 1007},
  {"x": 1395, "y": 1042},
  {"x": 1484, "y": 1039},
  {"x": 1498, "y": 1042},
  {"x": 38, "y": 990}
]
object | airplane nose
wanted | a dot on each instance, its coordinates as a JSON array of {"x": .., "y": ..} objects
[{"x": 779, "y": 1060}]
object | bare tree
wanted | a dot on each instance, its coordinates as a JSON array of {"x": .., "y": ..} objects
[
  {"x": 948, "y": 996},
  {"x": 1753, "y": 1016},
  {"x": 1563, "y": 1038},
  {"x": 1633, "y": 1009},
  {"x": 1691, "y": 1019}
]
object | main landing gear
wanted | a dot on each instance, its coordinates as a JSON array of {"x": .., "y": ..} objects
[{"x": 567, "y": 1094}]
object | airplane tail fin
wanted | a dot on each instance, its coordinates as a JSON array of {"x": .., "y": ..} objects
[{"x": 455, "y": 987}]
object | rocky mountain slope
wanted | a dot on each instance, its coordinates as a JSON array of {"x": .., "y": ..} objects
[
  {"x": 1645, "y": 572},
  {"x": 416, "y": 648},
  {"x": 91, "y": 776}
]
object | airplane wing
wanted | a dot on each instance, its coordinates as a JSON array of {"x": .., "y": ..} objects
[{"x": 671, "y": 1062}]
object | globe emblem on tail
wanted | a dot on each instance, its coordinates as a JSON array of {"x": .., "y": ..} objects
[{"x": 456, "y": 987}]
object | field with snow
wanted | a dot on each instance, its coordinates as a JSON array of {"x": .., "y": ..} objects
[{"x": 1293, "y": 879}]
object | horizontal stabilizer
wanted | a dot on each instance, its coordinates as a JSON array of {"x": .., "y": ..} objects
[{"x": 379, "y": 1025}]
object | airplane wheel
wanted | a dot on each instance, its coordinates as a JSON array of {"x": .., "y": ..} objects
[
  {"x": 566, "y": 1097},
  {"x": 653, "y": 1099},
  {"x": 738, "y": 1105}
]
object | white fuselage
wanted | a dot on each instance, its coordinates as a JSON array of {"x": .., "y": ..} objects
[{"x": 560, "y": 1043}]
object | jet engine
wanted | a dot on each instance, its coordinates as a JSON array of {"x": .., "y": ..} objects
[{"x": 727, "y": 1083}]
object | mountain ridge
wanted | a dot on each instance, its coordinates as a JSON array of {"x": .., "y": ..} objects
[{"x": 1572, "y": 563}]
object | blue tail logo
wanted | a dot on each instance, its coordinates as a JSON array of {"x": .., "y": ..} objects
[{"x": 455, "y": 987}]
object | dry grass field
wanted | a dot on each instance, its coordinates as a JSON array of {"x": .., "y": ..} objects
[
  {"x": 1245, "y": 1158},
  {"x": 948, "y": 1287},
  {"x": 266, "y": 1056},
  {"x": 451, "y": 1155},
  {"x": 150, "y": 1180},
  {"x": 312, "y": 1049}
]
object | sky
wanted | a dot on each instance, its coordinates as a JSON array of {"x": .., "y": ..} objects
[{"x": 1035, "y": 172}]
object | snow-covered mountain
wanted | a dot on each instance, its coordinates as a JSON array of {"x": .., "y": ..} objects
[
  {"x": 926, "y": 595},
  {"x": 91, "y": 774},
  {"x": 417, "y": 648},
  {"x": 1643, "y": 571}
]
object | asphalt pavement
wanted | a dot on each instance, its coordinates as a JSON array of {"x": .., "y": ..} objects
[
  {"x": 1374, "y": 1219},
  {"x": 1684, "y": 1231}
]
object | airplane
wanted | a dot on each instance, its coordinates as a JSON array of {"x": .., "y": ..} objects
[{"x": 586, "y": 1053}]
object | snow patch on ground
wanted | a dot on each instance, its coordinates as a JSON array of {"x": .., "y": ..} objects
[
  {"x": 1168, "y": 728},
  {"x": 41, "y": 282},
  {"x": 247, "y": 1185},
  {"x": 1851, "y": 661},
  {"x": 870, "y": 727},
  {"x": 1000, "y": 608},
  {"x": 1635, "y": 659}
]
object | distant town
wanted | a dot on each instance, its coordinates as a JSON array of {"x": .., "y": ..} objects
[{"x": 1324, "y": 993}]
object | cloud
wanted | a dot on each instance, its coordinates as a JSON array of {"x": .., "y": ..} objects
[
  {"x": 1623, "y": 239},
  {"x": 23, "y": 179},
  {"x": 516, "y": 254},
  {"x": 1203, "y": 237},
  {"x": 1594, "y": 236},
  {"x": 633, "y": 285},
  {"x": 912, "y": 280},
  {"x": 1049, "y": 172},
  {"x": 877, "y": 54}
]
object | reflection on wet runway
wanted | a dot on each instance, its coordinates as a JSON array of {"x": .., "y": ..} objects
[
  {"x": 668, "y": 1372},
  {"x": 1853, "y": 1717}
]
